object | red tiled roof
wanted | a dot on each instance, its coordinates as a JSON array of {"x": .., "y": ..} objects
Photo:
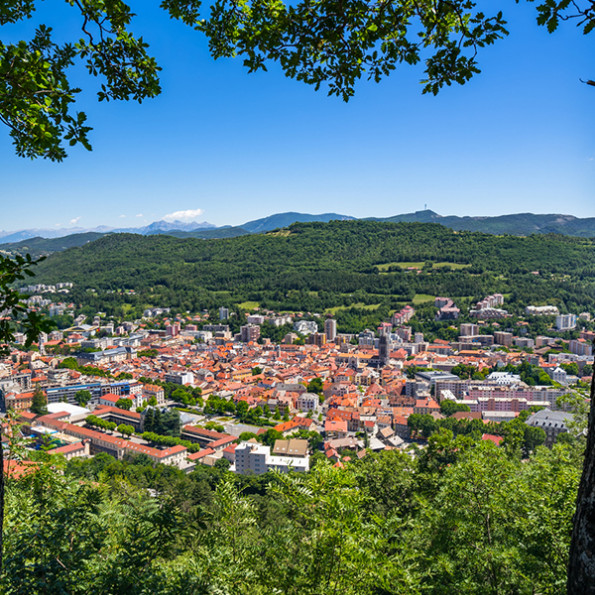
[
  {"x": 492, "y": 438},
  {"x": 106, "y": 409},
  {"x": 203, "y": 432},
  {"x": 18, "y": 469},
  {"x": 68, "y": 448},
  {"x": 196, "y": 456},
  {"x": 226, "y": 439}
]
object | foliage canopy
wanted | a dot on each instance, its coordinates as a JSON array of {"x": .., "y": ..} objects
[
  {"x": 463, "y": 516},
  {"x": 319, "y": 42}
]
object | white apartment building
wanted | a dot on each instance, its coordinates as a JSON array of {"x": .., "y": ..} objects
[
  {"x": 184, "y": 378},
  {"x": 308, "y": 402},
  {"x": 305, "y": 327},
  {"x": 255, "y": 319},
  {"x": 330, "y": 329},
  {"x": 256, "y": 459},
  {"x": 565, "y": 322},
  {"x": 542, "y": 311},
  {"x": 503, "y": 378},
  {"x": 559, "y": 375}
]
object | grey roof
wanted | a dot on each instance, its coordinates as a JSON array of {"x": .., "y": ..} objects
[
  {"x": 294, "y": 388},
  {"x": 97, "y": 355},
  {"x": 546, "y": 418}
]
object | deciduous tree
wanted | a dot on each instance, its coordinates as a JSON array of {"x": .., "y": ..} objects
[
  {"x": 82, "y": 397},
  {"x": 125, "y": 429},
  {"x": 124, "y": 403}
]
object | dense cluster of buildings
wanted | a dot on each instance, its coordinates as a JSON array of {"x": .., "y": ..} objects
[{"x": 368, "y": 385}]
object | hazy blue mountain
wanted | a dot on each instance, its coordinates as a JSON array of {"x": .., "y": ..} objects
[
  {"x": 167, "y": 226},
  {"x": 285, "y": 219},
  {"x": 39, "y": 246},
  {"x": 179, "y": 228},
  {"x": 7, "y": 237},
  {"x": 426, "y": 216}
]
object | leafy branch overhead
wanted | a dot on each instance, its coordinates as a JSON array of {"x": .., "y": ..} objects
[
  {"x": 36, "y": 98},
  {"x": 320, "y": 42}
]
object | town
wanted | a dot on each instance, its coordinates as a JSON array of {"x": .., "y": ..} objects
[
  {"x": 317, "y": 318},
  {"x": 185, "y": 391}
]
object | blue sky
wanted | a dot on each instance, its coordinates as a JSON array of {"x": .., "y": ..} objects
[{"x": 238, "y": 146}]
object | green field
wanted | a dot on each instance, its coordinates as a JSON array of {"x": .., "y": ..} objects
[
  {"x": 358, "y": 305},
  {"x": 402, "y": 265},
  {"x": 422, "y": 298},
  {"x": 248, "y": 305},
  {"x": 452, "y": 265},
  {"x": 283, "y": 233},
  {"x": 383, "y": 268}
]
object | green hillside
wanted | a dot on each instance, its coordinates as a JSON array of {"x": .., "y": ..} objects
[
  {"x": 522, "y": 224},
  {"x": 207, "y": 234},
  {"x": 317, "y": 266}
]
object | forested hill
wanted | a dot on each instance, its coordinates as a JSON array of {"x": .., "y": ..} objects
[
  {"x": 322, "y": 265},
  {"x": 37, "y": 246},
  {"x": 279, "y": 220},
  {"x": 522, "y": 224},
  {"x": 206, "y": 234}
]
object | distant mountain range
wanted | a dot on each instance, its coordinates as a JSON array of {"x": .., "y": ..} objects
[
  {"x": 38, "y": 245},
  {"x": 44, "y": 241},
  {"x": 519, "y": 224},
  {"x": 9, "y": 237},
  {"x": 285, "y": 219}
]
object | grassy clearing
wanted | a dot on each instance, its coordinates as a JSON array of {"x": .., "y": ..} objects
[
  {"x": 452, "y": 265},
  {"x": 281, "y": 233},
  {"x": 126, "y": 308},
  {"x": 358, "y": 305},
  {"x": 422, "y": 298},
  {"x": 249, "y": 305},
  {"x": 402, "y": 265},
  {"x": 384, "y": 268}
]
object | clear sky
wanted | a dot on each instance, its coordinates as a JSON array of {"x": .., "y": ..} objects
[{"x": 238, "y": 146}]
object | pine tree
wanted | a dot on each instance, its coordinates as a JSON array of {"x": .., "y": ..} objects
[
  {"x": 149, "y": 421},
  {"x": 39, "y": 404},
  {"x": 158, "y": 422}
]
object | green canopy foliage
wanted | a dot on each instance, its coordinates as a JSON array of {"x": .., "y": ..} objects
[
  {"x": 320, "y": 43},
  {"x": 461, "y": 517},
  {"x": 82, "y": 397},
  {"x": 165, "y": 422}
]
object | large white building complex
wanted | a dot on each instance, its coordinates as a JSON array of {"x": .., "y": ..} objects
[{"x": 254, "y": 458}]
